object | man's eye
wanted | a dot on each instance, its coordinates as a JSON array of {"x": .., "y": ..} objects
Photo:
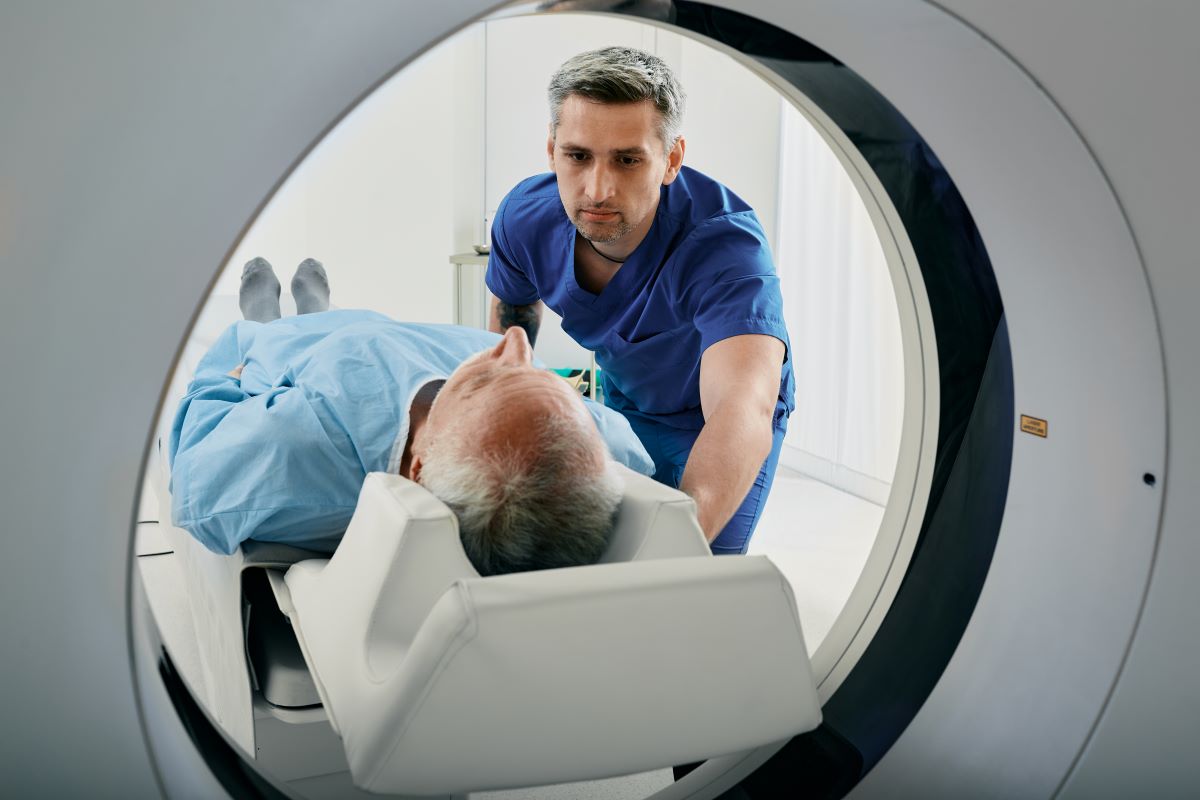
[
  {"x": 577, "y": 156},
  {"x": 630, "y": 161}
]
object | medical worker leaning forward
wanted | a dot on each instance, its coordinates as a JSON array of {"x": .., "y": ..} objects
[
  {"x": 662, "y": 272},
  {"x": 285, "y": 417}
]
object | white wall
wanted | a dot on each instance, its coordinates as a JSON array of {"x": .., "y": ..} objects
[
  {"x": 731, "y": 127},
  {"x": 843, "y": 322},
  {"x": 389, "y": 194},
  {"x": 382, "y": 201}
]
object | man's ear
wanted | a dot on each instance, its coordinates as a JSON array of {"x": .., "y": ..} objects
[
  {"x": 674, "y": 161},
  {"x": 414, "y": 469},
  {"x": 550, "y": 147}
]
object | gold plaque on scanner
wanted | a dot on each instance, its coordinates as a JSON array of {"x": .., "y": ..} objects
[{"x": 1033, "y": 425}]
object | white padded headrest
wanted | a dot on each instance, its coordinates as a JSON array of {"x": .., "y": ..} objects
[
  {"x": 401, "y": 551},
  {"x": 589, "y": 672},
  {"x": 441, "y": 681},
  {"x": 654, "y": 521}
]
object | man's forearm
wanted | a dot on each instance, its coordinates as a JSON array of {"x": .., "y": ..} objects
[
  {"x": 725, "y": 460},
  {"x": 504, "y": 315}
]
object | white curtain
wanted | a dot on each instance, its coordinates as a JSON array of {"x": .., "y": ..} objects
[{"x": 842, "y": 318}]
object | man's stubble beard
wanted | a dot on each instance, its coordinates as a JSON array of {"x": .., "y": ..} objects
[{"x": 622, "y": 227}]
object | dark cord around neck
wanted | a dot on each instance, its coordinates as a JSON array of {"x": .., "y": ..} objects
[{"x": 609, "y": 258}]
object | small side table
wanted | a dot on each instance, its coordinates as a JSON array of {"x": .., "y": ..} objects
[{"x": 470, "y": 293}]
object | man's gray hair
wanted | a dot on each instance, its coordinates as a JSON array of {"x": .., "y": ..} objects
[
  {"x": 539, "y": 506},
  {"x": 621, "y": 75}
]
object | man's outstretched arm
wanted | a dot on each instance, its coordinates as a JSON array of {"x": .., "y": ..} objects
[
  {"x": 739, "y": 387},
  {"x": 502, "y": 316}
]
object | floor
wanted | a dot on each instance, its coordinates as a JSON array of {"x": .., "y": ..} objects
[{"x": 818, "y": 536}]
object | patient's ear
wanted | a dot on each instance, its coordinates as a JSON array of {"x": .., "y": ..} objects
[{"x": 414, "y": 469}]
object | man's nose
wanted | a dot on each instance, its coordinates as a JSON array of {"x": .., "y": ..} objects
[
  {"x": 514, "y": 349},
  {"x": 600, "y": 183}
]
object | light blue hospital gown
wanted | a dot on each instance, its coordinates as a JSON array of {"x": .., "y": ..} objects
[{"x": 281, "y": 454}]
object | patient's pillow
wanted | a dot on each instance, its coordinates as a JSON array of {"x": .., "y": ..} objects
[{"x": 623, "y": 443}]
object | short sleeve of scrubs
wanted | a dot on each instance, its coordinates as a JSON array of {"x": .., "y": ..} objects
[
  {"x": 506, "y": 276},
  {"x": 741, "y": 294},
  {"x": 745, "y": 305}
]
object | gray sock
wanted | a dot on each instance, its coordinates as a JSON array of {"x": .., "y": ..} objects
[
  {"x": 259, "y": 295},
  {"x": 310, "y": 287}
]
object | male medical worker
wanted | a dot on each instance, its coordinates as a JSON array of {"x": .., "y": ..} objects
[
  {"x": 285, "y": 418},
  {"x": 662, "y": 272}
]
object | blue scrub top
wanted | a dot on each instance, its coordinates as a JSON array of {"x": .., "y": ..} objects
[{"x": 702, "y": 274}]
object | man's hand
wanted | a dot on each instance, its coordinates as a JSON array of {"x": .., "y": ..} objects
[
  {"x": 739, "y": 387},
  {"x": 236, "y": 372},
  {"x": 502, "y": 316}
]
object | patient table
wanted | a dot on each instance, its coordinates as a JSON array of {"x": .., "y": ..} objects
[{"x": 439, "y": 681}]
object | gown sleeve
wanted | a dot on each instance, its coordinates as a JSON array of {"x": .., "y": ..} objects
[
  {"x": 269, "y": 466},
  {"x": 623, "y": 444}
]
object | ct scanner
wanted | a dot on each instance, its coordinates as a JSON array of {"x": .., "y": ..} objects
[{"x": 1034, "y": 640}]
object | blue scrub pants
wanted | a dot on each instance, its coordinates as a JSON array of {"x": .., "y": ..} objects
[{"x": 670, "y": 448}]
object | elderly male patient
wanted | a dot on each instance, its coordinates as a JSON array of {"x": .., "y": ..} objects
[{"x": 286, "y": 416}]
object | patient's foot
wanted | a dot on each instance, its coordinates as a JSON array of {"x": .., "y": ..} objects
[
  {"x": 259, "y": 295},
  {"x": 310, "y": 287}
]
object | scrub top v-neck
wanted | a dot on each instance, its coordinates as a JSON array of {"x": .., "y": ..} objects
[{"x": 702, "y": 274}]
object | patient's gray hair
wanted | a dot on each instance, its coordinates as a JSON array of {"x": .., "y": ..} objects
[
  {"x": 539, "y": 506},
  {"x": 621, "y": 75}
]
